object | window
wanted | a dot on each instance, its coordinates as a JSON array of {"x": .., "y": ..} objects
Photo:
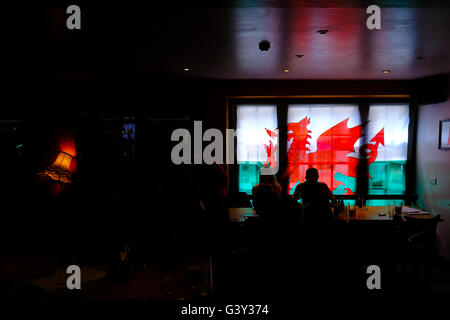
[
  {"x": 330, "y": 137},
  {"x": 324, "y": 137},
  {"x": 253, "y": 141},
  {"x": 388, "y": 159}
]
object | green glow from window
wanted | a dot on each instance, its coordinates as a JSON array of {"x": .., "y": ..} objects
[
  {"x": 348, "y": 182},
  {"x": 388, "y": 177},
  {"x": 249, "y": 175},
  {"x": 384, "y": 202}
]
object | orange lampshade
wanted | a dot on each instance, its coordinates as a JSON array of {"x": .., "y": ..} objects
[{"x": 59, "y": 170}]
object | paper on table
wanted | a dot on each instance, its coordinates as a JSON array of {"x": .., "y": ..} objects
[{"x": 409, "y": 210}]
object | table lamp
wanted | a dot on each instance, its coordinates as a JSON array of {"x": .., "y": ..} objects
[{"x": 59, "y": 170}]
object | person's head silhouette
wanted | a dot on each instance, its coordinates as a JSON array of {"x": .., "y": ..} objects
[
  {"x": 312, "y": 175},
  {"x": 267, "y": 178}
]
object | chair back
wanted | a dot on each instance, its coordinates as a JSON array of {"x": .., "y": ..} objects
[
  {"x": 421, "y": 235},
  {"x": 239, "y": 200},
  {"x": 420, "y": 224}
]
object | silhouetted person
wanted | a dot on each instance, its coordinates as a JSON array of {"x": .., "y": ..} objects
[
  {"x": 213, "y": 188},
  {"x": 317, "y": 241},
  {"x": 316, "y": 198},
  {"x": 265, "y": 192}
]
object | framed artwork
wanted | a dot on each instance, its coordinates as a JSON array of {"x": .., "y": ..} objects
[{"x": 444, "y": 134}]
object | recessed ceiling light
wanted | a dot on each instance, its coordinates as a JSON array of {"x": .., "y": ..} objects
[
  {"x": 386, "y": 71},
  {"x": 186, "y": 69},
  {"x": 322, "y": 31},
  {"x": 286, "y": 70}
]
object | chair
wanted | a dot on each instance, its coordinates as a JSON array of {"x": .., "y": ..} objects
[
  {"x": 289, "y": 214},
  {"x": 239, "y": 200},
  {"x": 421, "y": 244}
]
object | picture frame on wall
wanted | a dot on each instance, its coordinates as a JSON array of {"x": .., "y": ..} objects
[{"x": 444, "y": 134}]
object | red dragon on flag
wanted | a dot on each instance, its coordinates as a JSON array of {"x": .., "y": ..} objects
[{"x": 333, "y": 154}]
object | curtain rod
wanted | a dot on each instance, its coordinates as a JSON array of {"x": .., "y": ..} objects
[{"x": 397, "y": 96}]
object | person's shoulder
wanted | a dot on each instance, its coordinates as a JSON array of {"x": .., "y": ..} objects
[
  {"x": 323, "y": 185},
  {"x": 278, "y": 188},
  {"x": 300, "y": 186}
]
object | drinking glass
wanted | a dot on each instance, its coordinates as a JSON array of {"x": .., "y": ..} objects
[
  {"x": 398, "y": 208},
  {"x": 352, "y": 212},
  {"x": 391, "y": 210}
]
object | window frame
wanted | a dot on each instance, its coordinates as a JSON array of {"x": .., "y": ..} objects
[{"x": 363, "y": 102}]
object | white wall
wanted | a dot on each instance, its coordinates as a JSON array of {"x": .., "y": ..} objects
[{"x": 432, "y": 162}]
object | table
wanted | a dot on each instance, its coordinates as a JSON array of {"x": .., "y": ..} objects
[
  {"x": 372, "y": 213},
  {"x": 240, "y": 214}
]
